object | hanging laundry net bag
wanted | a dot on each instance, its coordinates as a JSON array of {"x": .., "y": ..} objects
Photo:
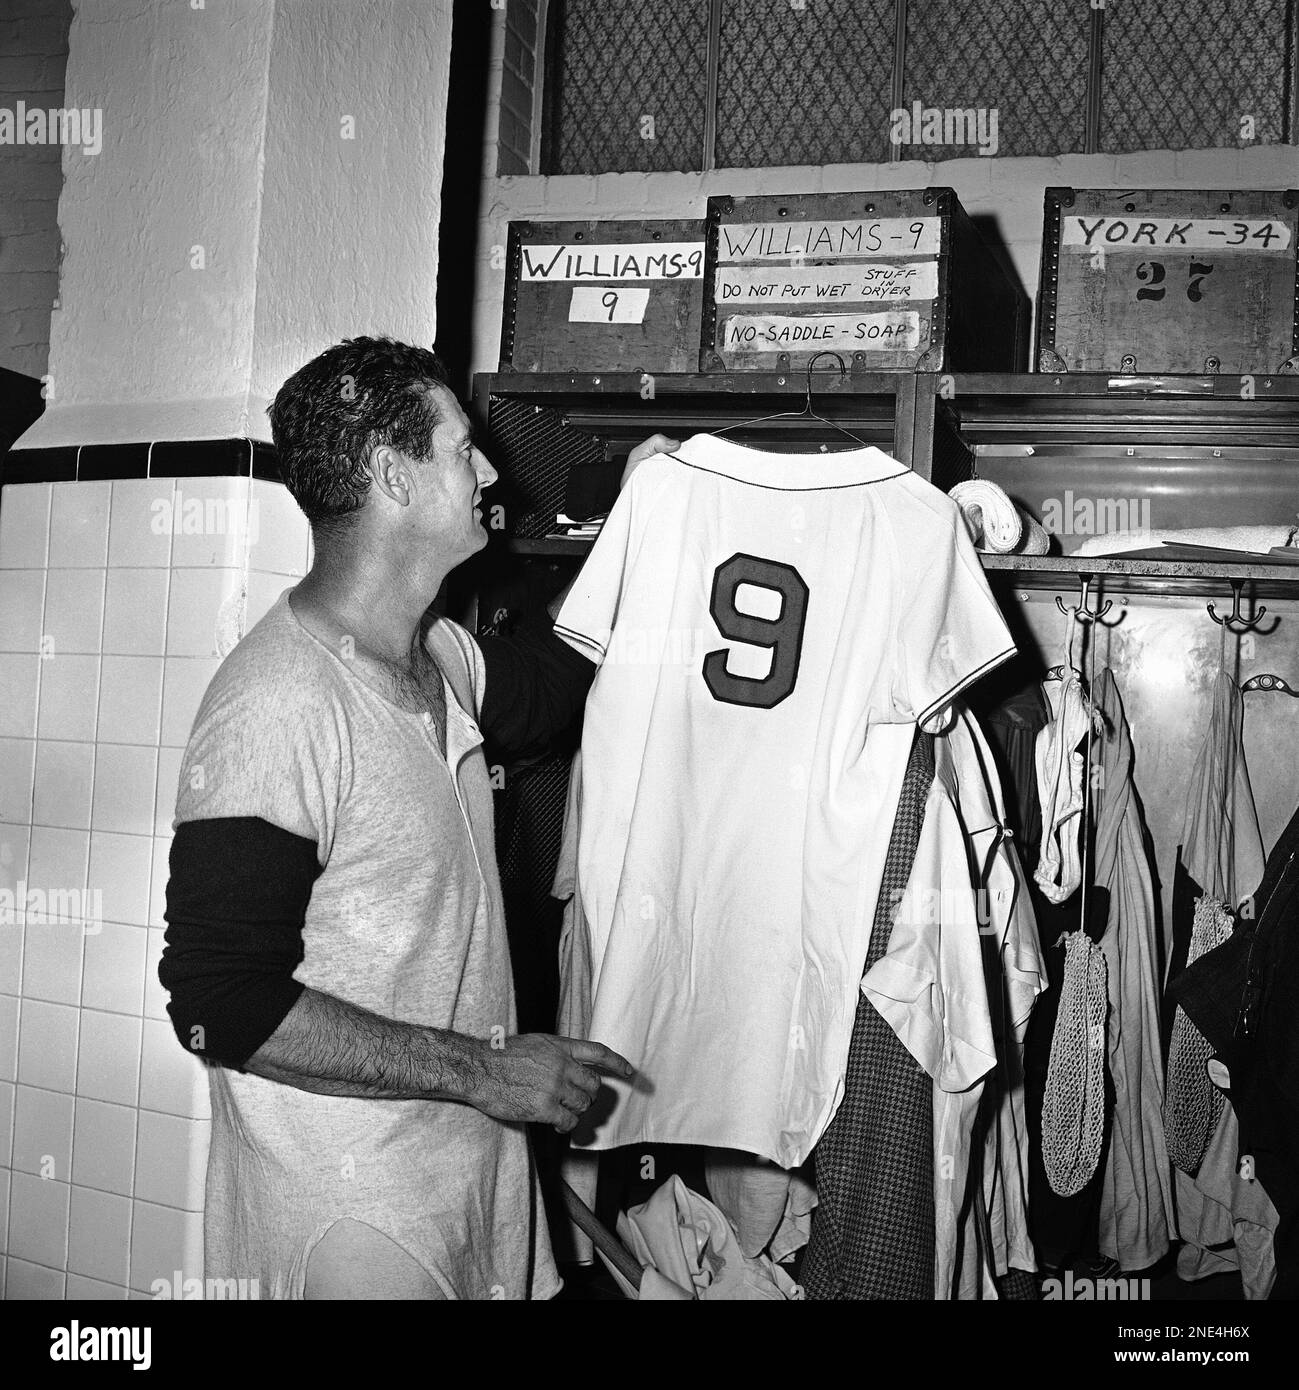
[{"x": 1073, "y": 1107}]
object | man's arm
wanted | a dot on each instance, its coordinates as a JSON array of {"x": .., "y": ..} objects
[
  {"x": 236, "y": 907},
  {"x": 334, "y": 1048}
]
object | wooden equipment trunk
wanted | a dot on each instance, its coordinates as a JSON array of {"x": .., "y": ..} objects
[
  {"x": 1169, "y": 281},
  {"x": 603, "y": 296},
  {"x": 891, "y": 281}
]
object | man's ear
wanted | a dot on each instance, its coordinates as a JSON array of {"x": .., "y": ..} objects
[{"x": 391, "y": 473}]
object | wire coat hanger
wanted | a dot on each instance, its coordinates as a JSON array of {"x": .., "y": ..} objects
[{"x": 807, "y": 413}]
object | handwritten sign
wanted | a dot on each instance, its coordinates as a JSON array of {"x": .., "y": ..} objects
[
  {"x": 1136, "y": 233},
  {"x": 863, "y": 284},
  {"x": 766, "y": 333},
  {"x": 678, "y": 260},
  {"x": 1165, "y": 280},
  {"x": 621, "y": 295},
  {"x": 594, "y": 304},
  {"x": 828, "y": 240}
]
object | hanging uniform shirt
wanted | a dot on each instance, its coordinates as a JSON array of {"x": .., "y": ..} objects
[
  {"x": 579, "y": 1168},
  {"x": 769, "y": 628},
  {"x": 1136, "y": 1213},
  {"x": 962, "y": 1013},
  {"x": 1220, "y": 863},
  {"x": 1016, "y": 975}
]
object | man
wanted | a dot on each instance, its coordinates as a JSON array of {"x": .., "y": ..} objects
[{"x": 336, "y": 941}]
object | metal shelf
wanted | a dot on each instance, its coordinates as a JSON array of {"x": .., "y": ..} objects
[
  {"x": 1110, "y": 575},
  {"x": 1098, "y": 408},
  {"x": 553, "y": 387},
  {"x": 525, "y": 546},
  {"x": 1117, "y": 575},
  {"x": 939, "y": 421}
]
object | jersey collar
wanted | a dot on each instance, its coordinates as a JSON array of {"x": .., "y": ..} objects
[{"x": 791, "y": 472}]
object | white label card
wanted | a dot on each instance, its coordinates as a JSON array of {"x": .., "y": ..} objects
[
  {"x": 652, "y": 260},
  {"x": 828, "y": 241},
  {"x": 604, "y": 304},
  {"x": 868, "y": 283},
  {"x": 889, "y": 331},
  {"x": 1136, "y": 233}
]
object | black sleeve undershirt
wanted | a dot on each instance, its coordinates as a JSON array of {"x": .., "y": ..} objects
[
  {"x": 239, "y": 886},
  {"x": 536, "y": 687},
  {"x": 236, "y": 907}
]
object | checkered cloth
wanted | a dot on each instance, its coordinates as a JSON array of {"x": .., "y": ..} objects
[{"x": 873, "y": 1231}]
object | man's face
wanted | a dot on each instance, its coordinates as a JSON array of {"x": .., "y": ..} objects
[{"x": 451, "y": 483}]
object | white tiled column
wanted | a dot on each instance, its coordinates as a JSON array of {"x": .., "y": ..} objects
[{"x": 117, "y": 602}]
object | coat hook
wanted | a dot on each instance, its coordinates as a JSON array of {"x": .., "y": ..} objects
[
  {"x": 1234, "y": 621},
  {"x": 1082, "y": 612}
]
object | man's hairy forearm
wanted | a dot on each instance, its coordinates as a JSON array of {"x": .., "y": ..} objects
[{"x": 334, "y": 1048}]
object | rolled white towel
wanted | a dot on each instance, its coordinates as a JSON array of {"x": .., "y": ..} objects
[
  {"x": 996, "y": 523},
  {"x": 1035, "y": 540},
  {"x": 1256, "y": 538},
  {"x": 990, "y": 516}
]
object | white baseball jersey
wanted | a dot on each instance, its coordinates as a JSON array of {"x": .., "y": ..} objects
[{"x": 769, "y": 629}]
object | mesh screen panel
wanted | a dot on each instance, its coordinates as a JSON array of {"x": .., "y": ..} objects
[
  {"x": 804, "y": 86},
  {"x": 529, "y": 827},
  {"x": 950, "y": 461},
  {"x": 617, "y": 61},
  {"x": 533, "y": 450},
  {"x": 811, "y": 83},
  {"x": 964, "y": 54},
  {"x": 1181, "y": 76}
]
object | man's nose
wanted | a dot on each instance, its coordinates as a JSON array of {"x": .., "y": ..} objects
[{"x": 487, "y": 475}]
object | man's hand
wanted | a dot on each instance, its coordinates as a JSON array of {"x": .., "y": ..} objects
[
  {"x": 655, "y": 444},
  {"x": 545, "y": 1079}
]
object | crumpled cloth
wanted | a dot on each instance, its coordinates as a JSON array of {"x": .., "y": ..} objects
[
  {"x": 1060, "y": 770},
  {"x": 769, "y": 1207},
  {"x": 1258, "y": 538},
  {"x": 1228, "y": 1220},
  {"x": 689, "y": 1252},
  {"x": 995, "y": 523}
]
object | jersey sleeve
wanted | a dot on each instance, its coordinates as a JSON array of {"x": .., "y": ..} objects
[
  {"x": 929, "y": 985},
  {"x": 950, "y": 630},
  {"x": 589, "y": 612}
]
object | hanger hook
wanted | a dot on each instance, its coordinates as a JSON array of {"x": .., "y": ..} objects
[
  {"x": 1082, "y": 612},
  {"x": 811, "y": 367},
  {"x": 1235, "y": 621}
]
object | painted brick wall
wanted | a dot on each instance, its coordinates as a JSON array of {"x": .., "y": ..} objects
[
  {"x": 519, "y": 71},
  {"x": 33, "y": 54}
]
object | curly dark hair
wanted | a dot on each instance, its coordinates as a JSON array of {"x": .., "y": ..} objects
[{"x": 330, "y": 414}]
